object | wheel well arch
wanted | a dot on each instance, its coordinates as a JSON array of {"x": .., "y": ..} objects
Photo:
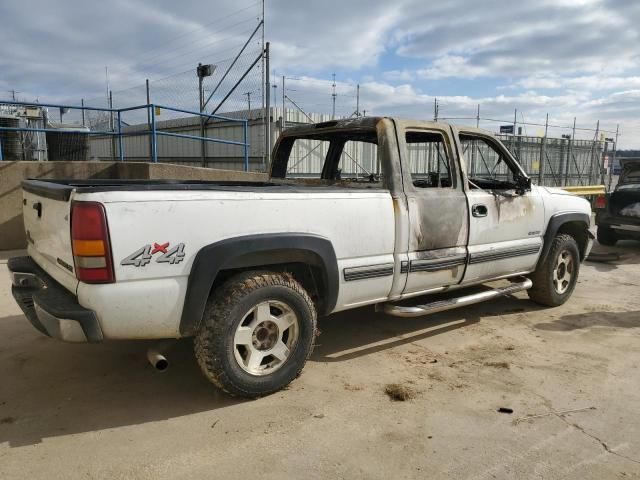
[
  {"x": 310, "y": 259},
  {"x": 580, "y": 232},
  {"x": 574, "y": 224}
]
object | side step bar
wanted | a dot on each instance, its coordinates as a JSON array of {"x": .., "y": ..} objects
[{"x": 451, "y": 303}]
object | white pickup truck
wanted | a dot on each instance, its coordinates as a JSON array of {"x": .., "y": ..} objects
[{"x": 246, "y": 268}]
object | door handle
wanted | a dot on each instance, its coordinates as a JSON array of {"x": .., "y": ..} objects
[
  {"x": 479, "y": 210},
  {"x": 38, "y": 208}
]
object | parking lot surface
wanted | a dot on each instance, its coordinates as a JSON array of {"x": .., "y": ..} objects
[{"x": 570, "y": 375}]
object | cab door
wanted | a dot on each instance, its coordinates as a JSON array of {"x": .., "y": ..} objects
[
  {"x": 437, "y": 206},
  {"x": 505, "y": 225}
]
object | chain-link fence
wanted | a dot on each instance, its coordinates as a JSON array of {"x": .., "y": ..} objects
[
  {"x": 559, "y": 155},
  {"x": 307, "y": 95},
  {"x": 560, "y": 161}
]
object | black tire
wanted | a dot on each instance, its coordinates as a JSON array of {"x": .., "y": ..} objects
[
  {"x": 231, "y": 304},
  {"x": 606, "y": 236},
  {"x": 544, "y": 290}
]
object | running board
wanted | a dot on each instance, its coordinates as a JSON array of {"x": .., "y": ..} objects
[{"x": 451, "y": 303}]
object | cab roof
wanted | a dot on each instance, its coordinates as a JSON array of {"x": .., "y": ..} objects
[{"x": 370, "y": 123}]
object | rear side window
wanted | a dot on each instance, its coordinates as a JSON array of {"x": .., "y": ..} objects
[
  {"x": 358, "y": 160},
  {"x": 307, "y": 158},
  {"x": 334, "y": 157},
  {"x": 428, "y": 160}
]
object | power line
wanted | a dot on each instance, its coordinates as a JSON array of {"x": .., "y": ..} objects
[
  {"x": 214, "y": 42},
  {"x": 198, "y": 55},
  {"x": 162, "y": 56},
  {"x": 203, "y": 27}
]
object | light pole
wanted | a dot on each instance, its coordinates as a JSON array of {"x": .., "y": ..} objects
[{"x": 202, "y": 71}]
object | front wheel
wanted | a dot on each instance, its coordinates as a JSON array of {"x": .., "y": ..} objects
[
  {"x": 555, "y": 278},
  {"x": 257, "y": 333}
]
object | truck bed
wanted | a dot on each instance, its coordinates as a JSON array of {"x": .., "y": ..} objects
[{"x": 61, "y": 189}]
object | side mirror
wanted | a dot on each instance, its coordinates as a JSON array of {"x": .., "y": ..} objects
[{"x": 523, "y": 184}]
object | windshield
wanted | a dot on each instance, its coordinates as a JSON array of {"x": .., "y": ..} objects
[
  {"x": 629, "y": 186},
  {"x": 630, "y": 178}
]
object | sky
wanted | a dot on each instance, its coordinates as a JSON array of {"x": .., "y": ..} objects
[{"x": 567, "y": 58}]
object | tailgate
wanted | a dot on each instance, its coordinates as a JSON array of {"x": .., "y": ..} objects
[{"x": 47, "y": 212}]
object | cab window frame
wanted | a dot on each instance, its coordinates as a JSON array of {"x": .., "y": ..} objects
[{"x": 454, "y": 171}]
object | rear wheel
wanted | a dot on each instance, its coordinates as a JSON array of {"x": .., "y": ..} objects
[
  {"x": 257, "y": 333},
  {"x": 555, "y": 278},
  {"x": 606, "y": 236}
]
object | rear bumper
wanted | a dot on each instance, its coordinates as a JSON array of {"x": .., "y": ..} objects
[
  {"x": 625, "y": 227},
  {"x": 51, "y": 308}
]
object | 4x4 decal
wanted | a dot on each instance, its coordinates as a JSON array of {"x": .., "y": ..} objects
[{"x": 144, "y": 255}]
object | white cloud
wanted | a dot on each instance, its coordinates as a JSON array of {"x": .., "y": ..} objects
[
  {"x": 448, "y": 66},
  {"x": 404, "y": 75},
  {"x": 566, "y": 57},
  {"x": 585, "y": 82}
]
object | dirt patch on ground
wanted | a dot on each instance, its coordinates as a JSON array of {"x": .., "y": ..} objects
[
  {"x": 399, "y": 392},
  {"x": 497, "y": 364}
]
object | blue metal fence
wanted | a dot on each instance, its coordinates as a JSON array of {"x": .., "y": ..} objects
[{"x": 153, "y": 131}]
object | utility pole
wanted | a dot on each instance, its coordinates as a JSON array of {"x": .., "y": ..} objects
[
  {"x": 201, "y": 108},
  {"x": 275, "y": 92},
  {"x": 543, "y": 154},
  {"x": 358, "y": 100},
  {"x": 435, "y": 109},
  {"x": 595, "y": 147},
  {"x": 113, "y": 139},
  {"x": 513, "y": 136},
  {"x": 248, "y": 94},
  {"x": 106, "y": 78},
  {"x": 478, "y": 117},
  {"x": 613, "y": 158},
  {"x": 263, "y": 104},
  {"x": 333, "y": 98},
  {"x": 267, "y": 109},
  {"x": 605, "y": 150},
  {"x": 284, "y": 114},
  {"x": 569, "y": 153},
  {"x": 148, "y": 91}
]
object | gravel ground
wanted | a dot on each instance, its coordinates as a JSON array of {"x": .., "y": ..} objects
[{"x": 99, "y": 411}]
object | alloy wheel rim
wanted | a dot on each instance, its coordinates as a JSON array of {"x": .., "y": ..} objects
[
  {"x": 563, "y": 272},
  {"x": 265, "y": 337}
]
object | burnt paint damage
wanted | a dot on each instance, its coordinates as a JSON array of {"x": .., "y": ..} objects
[
  {"x": 451, "y": 260},
  {"x": 438, "y": 222},
  {"x": 510, "y": 207}
]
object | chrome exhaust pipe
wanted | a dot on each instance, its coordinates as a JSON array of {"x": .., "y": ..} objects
[{"x": 157, "y": 360}]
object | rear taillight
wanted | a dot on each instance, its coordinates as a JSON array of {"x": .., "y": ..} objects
[
  {"x": 90, "y": 243},
  {"x": 601, "y": 201}
]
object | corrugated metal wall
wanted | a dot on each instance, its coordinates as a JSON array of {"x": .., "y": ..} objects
[{"x": 563, "y": 162}]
